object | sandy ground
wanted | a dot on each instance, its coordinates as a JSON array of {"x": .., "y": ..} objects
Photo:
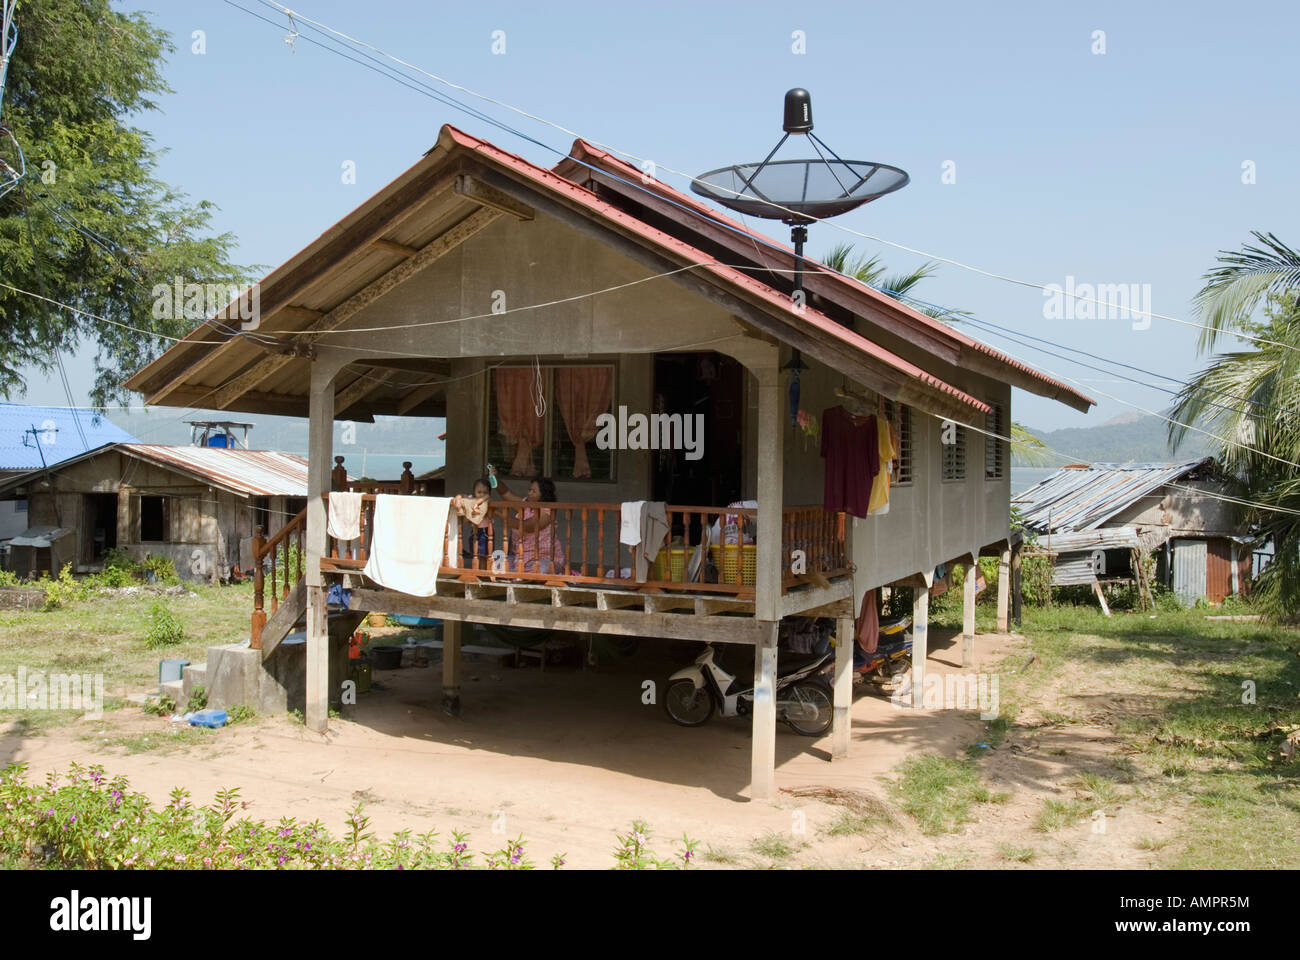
[{"x": 569, "y": 757}]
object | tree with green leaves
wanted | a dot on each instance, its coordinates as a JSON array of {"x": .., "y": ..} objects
[
  {"x": 1247, "y": 398},
  {"x": 1027, "y": 449},
  {"x": 88, "y": 223}
]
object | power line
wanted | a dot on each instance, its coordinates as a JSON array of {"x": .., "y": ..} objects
[{"x": 740, "y": 195}]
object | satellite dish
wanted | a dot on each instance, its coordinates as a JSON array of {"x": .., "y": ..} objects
[{"x": 797, "y": 192}]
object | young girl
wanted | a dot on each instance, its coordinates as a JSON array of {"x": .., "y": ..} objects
[
  {"x": 478, "y": 511},
  {"x": 541, "y": 550}
]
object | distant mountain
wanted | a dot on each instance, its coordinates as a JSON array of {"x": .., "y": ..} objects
[
  {"x": 1131, "y": 436},
  {"x": 380, "y": 446}
]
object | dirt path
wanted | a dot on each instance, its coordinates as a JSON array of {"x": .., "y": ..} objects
[{"x": 568, "y": 758}]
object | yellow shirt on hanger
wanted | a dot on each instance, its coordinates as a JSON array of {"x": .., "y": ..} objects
[{"x": 879, "y": 501}]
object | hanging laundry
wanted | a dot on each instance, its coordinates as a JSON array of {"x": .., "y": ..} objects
[
  {"x": 409, "y": 543},
  {"x": 868, "y": 625},
  {"x": 654, "y": 531},
  {"x": 886, "y": 452},
  {"x": 852, "y": 453},
  {"x": 629, "y": 528},
  {"x": 344, "y": 515}
]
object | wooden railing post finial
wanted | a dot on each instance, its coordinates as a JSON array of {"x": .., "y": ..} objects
[{"x": 339, "y": 475}]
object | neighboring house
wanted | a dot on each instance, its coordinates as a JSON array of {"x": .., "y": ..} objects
[
  {"x": 525, "y": 305},
  {"x": 1097, "y": 521},
  {"x": 31, "y": 437},
  {"x": 196, "y": 505}
]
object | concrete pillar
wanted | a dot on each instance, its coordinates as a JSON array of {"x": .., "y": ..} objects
[
  {"x": 920, "y": 639},
  {"x": 320, "y": 440},
  {"x": 763, "y": 756},
  {"x": 968, "y": 614},
  {"x": 842, "y": 725},
  {"x": 1004, "y": 589},
  {"x": 451, "y": 635}
]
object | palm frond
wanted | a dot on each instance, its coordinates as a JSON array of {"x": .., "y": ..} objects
[{"x": 1233, "y": 289}]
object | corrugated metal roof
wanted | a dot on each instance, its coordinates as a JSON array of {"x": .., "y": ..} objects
[
  {"x": 259, "y": 473},
  {"x": 59, "y": 438},
  {"x": 1109, "y": 538},
  {"x": 1084, "y": 498}
]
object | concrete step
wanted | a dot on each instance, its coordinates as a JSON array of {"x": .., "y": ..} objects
[
  {"x": 175, "y": 690},
  {"x": 195, "y": 675}
]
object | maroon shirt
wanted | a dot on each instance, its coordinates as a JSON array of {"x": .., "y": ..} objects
[{"x": 852, "y": 460}]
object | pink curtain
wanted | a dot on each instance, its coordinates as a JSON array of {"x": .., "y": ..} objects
[
  {"x": 582, "y": 393},
  {"x": 518, "y": 416}
]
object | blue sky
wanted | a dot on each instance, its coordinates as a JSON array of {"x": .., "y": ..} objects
[{"x": 1117, "y": 167}]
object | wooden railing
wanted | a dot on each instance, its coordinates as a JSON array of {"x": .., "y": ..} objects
[
  {"x": 280, "y": 559},
  {"x": 579, "y": 544}
]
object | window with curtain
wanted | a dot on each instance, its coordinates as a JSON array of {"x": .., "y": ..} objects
[{"x": 561, "y": 442}]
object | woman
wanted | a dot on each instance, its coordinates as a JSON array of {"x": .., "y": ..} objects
[{"x": 541, "y": 550}]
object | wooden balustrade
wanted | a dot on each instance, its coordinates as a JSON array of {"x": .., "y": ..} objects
[
  {"x": 579, "y": 543},
  {"x": 281, "y": 559}
]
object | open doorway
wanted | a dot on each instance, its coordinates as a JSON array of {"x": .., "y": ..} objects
[
  {"x": 98, "y": 526},
  {"x": 712, "y": 385}
]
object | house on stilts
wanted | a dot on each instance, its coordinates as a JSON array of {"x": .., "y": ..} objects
[{"x": 528, "y": 305}]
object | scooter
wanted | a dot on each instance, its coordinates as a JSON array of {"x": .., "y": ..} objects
[
  {"x": 804, "y": 698},
  {"x": 893, "y": 656}
]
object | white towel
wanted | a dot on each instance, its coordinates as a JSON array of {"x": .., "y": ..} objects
[
  {"x": 409, "y": 543},
  {"x": 629, "y": 530},
  {"x": 345, "y": 516}
]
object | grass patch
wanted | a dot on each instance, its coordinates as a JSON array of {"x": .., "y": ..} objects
[
  {"x": 774, "y": 846},
  {"x": 1009, "y": 851},
  {"x": 1176, "y": 688},
  {"x": 938, "y": 792},
  {"x": 850, "y": 822},
  {"x": 164, "y": 741},
  {"x": 720, "y": 855},
  {"x": 1057, "y": 814}
]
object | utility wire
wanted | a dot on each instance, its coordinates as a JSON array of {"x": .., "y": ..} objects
[{"x": 739, "y": 195}]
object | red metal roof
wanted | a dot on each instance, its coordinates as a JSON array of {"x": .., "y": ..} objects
[
  {"x": 586, "y": 152},
  {"x": 555, "y": 183},
  {"x": 258, "y": 473}
]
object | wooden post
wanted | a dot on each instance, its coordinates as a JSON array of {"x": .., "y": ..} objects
[
  {"x": 968, "y": 612},
  {"x": 451, "y": 633},
  {"x": 406, "y": 483},
  {"x": 1004, "y": 589},
  {"x": 771, "y": 466},
  {"x": 1017, "y": 593},
  {"x": 842, "y": 725},
  {"x": 1101, "y": 597},
  {"x": 920, "y": 639},
  {"x": 259, "y": 589},
  {"x": 320, "y": 441},
  {"x": 763, "y": 755},
  {"x": 339, "y": 475}
]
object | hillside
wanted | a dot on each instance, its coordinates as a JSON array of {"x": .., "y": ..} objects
[{"x": 1135, "y": 437}]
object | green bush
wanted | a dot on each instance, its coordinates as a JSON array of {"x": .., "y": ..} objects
[
  {"x": 62, "y": 591},
  {"x": 239, "y": 713},
  {"x": 164, "y": 570},
  {"x": 198, "y": 700},
  {"x": 91, "y": 822},
  {"x": 165, "y": 630}
]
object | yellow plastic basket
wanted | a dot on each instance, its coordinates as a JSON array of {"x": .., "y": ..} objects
[
  {"x": 726, "y": 563},
  {"x": 670, "y": 564}
]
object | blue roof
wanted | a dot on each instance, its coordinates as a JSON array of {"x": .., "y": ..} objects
[{"x": 57, "y": 432}]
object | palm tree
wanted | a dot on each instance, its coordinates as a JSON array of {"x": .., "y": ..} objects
[
  {"x": 1248, "y": 401},
  {"x": 1027, "y": 448}
]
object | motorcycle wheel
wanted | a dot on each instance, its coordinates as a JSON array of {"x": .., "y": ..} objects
[
  {"x": 812, "y": 709},
  {"x": 687, "y": 704}
]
